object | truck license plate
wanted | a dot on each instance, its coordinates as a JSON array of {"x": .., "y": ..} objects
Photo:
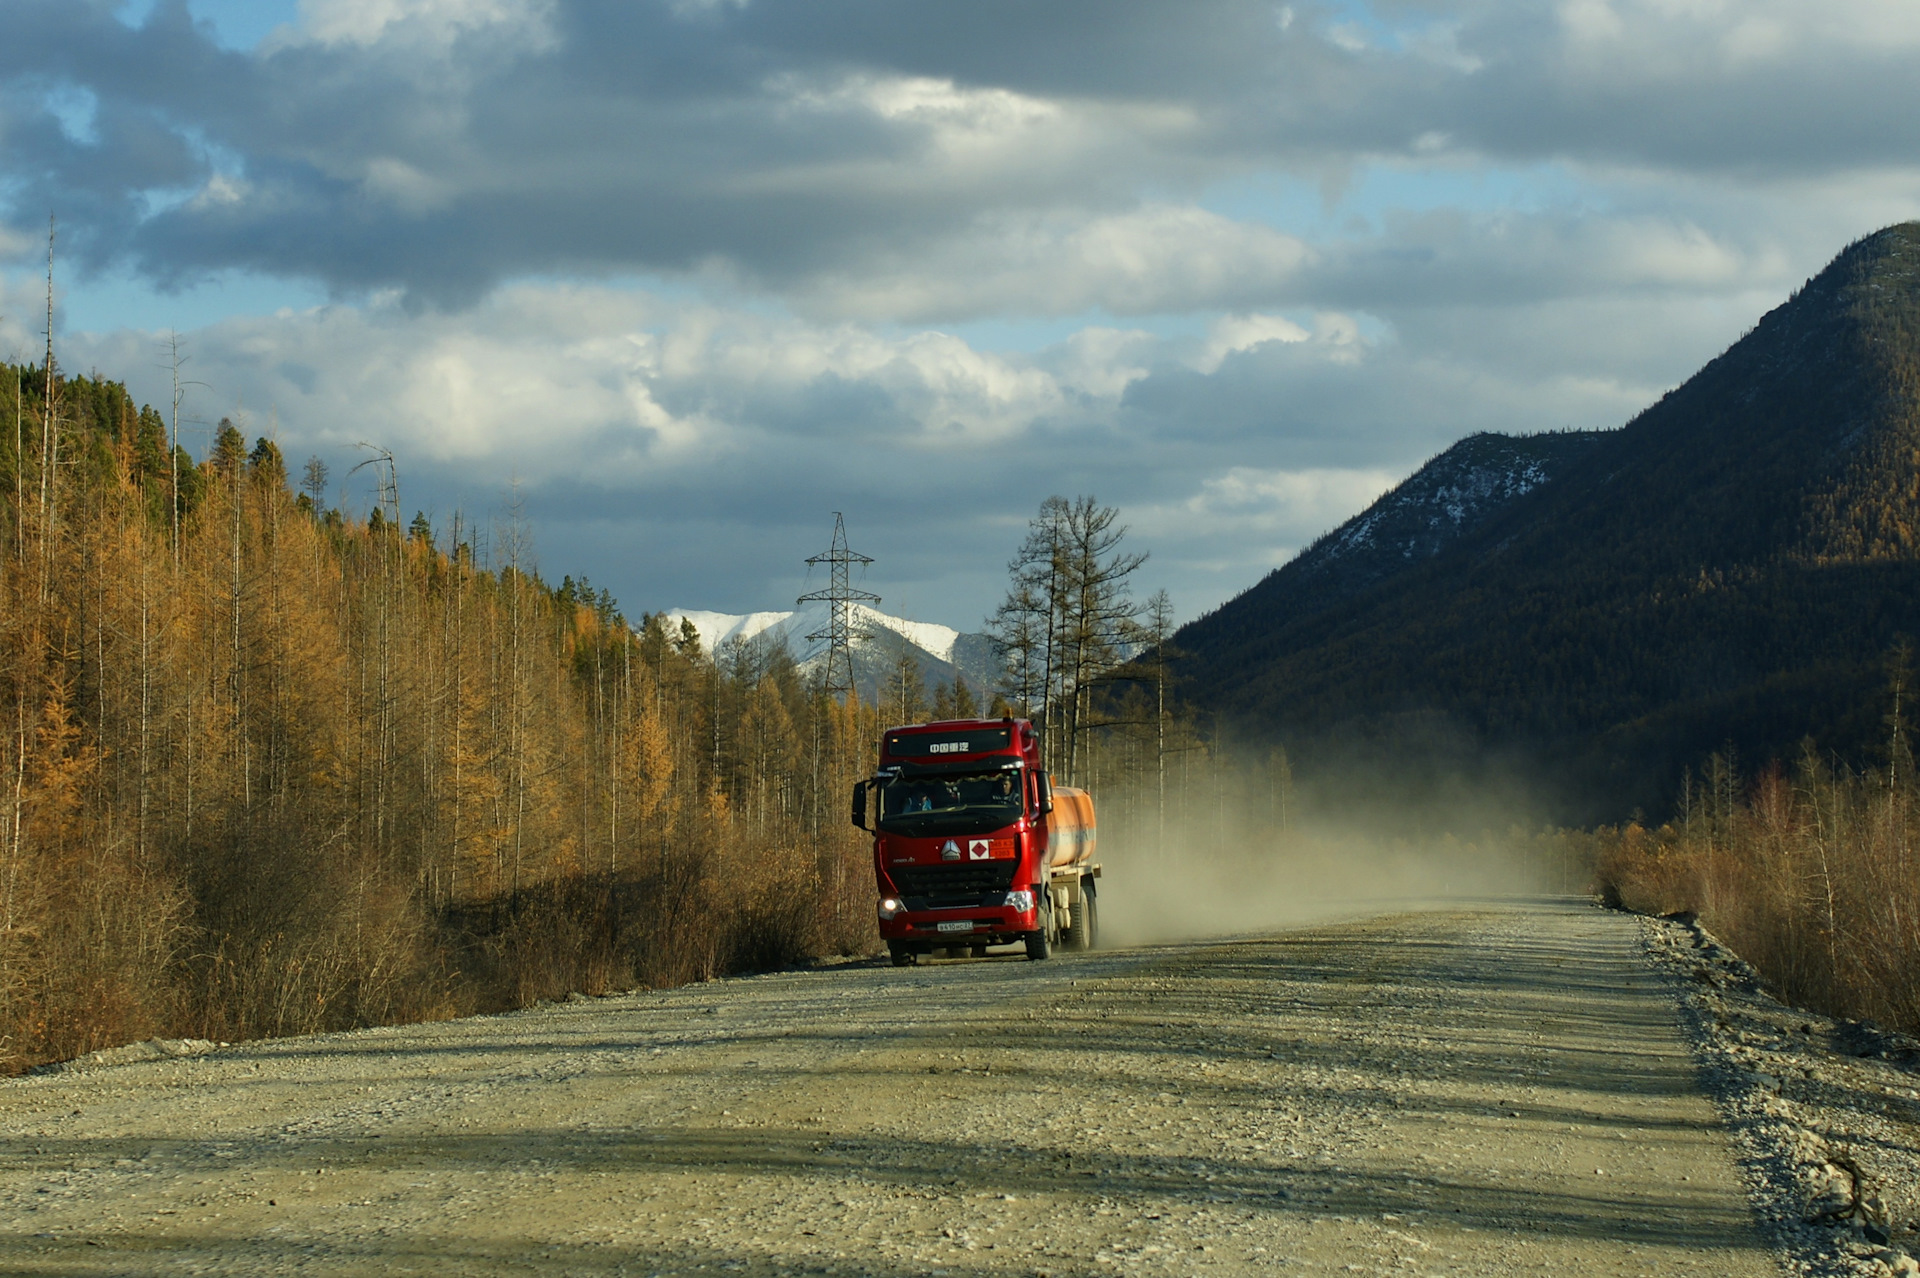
[{"x": 962, "y": 925}]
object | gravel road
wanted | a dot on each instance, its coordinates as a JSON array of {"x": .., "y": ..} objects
[{"x": 1499, "y": 1089}]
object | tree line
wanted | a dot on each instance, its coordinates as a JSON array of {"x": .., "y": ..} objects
[{"x": 269, "y": 768}]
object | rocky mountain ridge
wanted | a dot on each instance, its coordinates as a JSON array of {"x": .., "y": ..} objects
[
  {"x": 1448, "y": 498},
  {"x": 1730, "y": 568}
]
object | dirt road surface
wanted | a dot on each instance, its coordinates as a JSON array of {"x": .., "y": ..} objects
[{"x": 1485, "y": 1090}]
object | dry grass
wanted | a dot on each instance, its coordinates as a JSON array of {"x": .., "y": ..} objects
[
  {"x": 1810, "y": 877},
  {"x": 694, "y": 914},
  {"x": 124, "y": 960}
]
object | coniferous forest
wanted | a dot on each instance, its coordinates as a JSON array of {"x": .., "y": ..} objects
[{"x": 271, "y": 769}]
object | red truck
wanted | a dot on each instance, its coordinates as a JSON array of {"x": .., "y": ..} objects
[{"x": 973, "y": 844}]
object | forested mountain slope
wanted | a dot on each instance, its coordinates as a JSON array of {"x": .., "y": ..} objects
[
  {"x": 1442, "y": 502},
  {"x": 1732, "y": 566}
]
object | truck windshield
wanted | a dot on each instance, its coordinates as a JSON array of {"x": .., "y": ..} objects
[{"x": 963, "y": 803}]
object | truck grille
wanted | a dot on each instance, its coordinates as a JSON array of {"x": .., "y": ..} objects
[{"x": 929, "y": 887}]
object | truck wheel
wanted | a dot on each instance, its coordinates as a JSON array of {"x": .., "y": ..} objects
[
  {"x": 977, "y": 951},
  {"x": 1080, "y": 926},
  {"x": 1040, "y": 941},
  {"x": 903, "y": 955},
  {"x": 1090, "y": 906}
]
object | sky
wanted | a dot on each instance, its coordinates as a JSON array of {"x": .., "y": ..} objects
[{"x": 678, "y": 279}]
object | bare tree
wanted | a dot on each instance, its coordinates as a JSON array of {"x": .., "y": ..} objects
[
  {"x": 1018, "y": 629},
  {"x": 174, "y": 362},
  {"x": 1098, "y": 611},
  {"x": 1157, "y": 633},
  {"x": 49, "y": 438},
  {"x": 1070, "y": 612},
  {"x": 1032, "y": 612},
  {"x": 313, "y": 480}
]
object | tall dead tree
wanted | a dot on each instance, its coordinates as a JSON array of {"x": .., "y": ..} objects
[
  {"x": 1071, "y": 599},
  {"x": 49, "y": 439},
  {"x": 1099, "y": 611}
]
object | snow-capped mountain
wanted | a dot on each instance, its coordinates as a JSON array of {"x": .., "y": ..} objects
[
  {"x": 1450, "y": 498},
  {"x": 1436, "y": 506},
  {"x": 716, "y": 628},
  {"x": 942, "y": 652}
]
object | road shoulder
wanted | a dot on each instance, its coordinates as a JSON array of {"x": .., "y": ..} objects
[{"x": 1825, "y": 1113}]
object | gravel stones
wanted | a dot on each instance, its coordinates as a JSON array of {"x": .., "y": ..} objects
[
  {"x": 153, "y": 1049},
  {"x": 1826, "y": 1112}
]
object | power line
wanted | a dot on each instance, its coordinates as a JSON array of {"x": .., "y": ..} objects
[{"x": 839, "y": 596}]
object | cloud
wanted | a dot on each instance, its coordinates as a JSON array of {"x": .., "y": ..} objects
[
  {"x": 698, "y": 271},
  {"x": 1235, "y": 333},
  {"x": 1151, "y": 260},
  {"x": 433, "y": 24},
  {"x": 956, "y": 160},
  {"x": 1271, "y": 513},
  {"x": 679, "y": 451}
]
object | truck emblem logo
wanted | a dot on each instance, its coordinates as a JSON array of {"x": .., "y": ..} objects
[
  {"x": 951, "y": 852},
  {"x": 977, "y": 850}
]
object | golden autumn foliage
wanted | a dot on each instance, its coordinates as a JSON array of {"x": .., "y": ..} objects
[
  {"x": 1809, "y": 874},
  {"x": 267, "y": 769}
]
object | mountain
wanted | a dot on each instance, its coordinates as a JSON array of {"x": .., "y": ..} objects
[
  {"x": 942, "y": 653},
  {"x": 1731, "y": 567},
  {"x": 1442, "y": 502}
]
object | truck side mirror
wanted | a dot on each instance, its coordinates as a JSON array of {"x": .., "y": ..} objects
[
  {"x": 860, "y": 804},
  {"x": 1043, "y": 792}
]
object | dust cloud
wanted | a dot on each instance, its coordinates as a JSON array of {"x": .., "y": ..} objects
[{"x": 1242, "y": 873}]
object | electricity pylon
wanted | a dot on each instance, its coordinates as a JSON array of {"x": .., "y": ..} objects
[{"x": 839, "y": 596}]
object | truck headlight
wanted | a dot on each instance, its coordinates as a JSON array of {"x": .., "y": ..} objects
[
  {"x": 1021, "y": 900},
  {"x": 890, "y": 906}
]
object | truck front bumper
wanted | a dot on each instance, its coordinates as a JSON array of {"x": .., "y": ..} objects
[{"x": 974, "y": 925}]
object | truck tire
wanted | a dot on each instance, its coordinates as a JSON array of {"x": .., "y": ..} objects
[
  {"x": 903, "y": 955},
  {"x": 1080, "y": 925},
  {"x": 977, "y": 951},
  {"x": 1040, "y": 941},
  {"x": 1090, "y": 906}
]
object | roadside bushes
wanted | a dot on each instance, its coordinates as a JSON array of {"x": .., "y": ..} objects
[
  {"x": 344, "y": 945},
  {"x": 1809, "y": 875},
  {"x": 698, "y": 912}
]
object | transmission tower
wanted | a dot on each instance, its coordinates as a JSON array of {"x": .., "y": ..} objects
[{"x": 839, "y": 596}]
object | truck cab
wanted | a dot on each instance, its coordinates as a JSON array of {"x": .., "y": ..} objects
[{"x": 973, "y": 845}]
